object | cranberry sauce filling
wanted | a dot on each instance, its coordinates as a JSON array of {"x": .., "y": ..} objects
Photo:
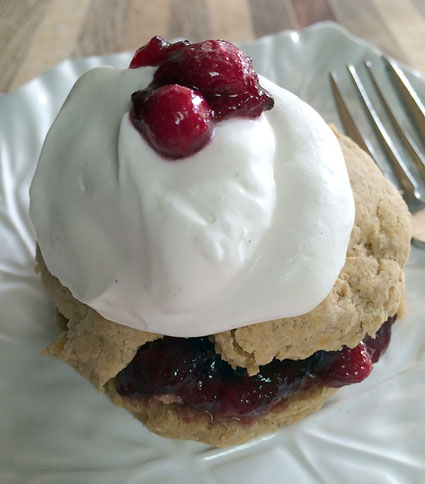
[
  {"x": 192, "y": 370},
  {"x": 221, "y": 78}
]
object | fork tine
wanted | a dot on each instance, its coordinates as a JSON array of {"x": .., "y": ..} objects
[
  {"x": 405, "y": 137},
  {"x": 401, "y": 170},
  {"x": 414, "y": 104},
  {"x": 347, "y": 120}
]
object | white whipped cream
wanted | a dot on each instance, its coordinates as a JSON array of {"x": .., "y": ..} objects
[{"x": 253, "y": 227}]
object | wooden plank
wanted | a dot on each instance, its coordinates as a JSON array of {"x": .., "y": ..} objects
[
  {"x": 144, "y": 21},
  {"x": 103, "y": 29},
  {"x": 54, "y": 40},
  {"x": 270, "y": 16},
  {"x": 407, "y": 28},
  {"x": 17, "y": 30},
  {"x": 189, "y": 20},
  {"x": 363, "y": 19},
  {"x": 230, "y": 20},
  {"x": 309, "y": 12},
  {"x": 420, "y": 7}
]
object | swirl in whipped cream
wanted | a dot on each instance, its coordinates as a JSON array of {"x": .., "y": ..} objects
[{"x": 253, "y": 227}]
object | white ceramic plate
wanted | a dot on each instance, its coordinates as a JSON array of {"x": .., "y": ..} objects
[{"x": 54, "y": 428}]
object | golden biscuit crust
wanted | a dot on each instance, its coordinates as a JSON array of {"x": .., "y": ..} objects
[
  {"x": 369, "y": 289},
  {"x": 97, "y": 348},
  {"x": 182, "y": 422}
]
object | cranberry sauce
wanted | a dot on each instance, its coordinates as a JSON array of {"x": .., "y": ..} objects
[
  {"x": 221, "y": 79},
  {"x": 192, "y": 370}
]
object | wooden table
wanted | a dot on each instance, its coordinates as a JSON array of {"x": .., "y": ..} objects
[{"x": 37, "y": 34}]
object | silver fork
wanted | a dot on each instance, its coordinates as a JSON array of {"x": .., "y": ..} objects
[{"x": 408, "y": 164}]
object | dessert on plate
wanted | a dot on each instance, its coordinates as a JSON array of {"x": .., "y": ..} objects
[{"x": 220, "y": 259}]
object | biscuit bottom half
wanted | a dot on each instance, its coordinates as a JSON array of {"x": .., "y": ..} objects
[
  {"x": 368, "y": 291},
  {"x": 182, "y": 388},
  {"x": 183, "y": 422}
]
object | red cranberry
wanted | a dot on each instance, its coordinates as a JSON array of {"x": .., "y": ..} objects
[
  {"x": 213, "y": 66},
  {"x": 249, "y": 104},
  {"x": 219, "y": 72},
  {"x": 222, "y": 72},
  {"x": 251, "y": 396},
  {"x": 176, "y": 120},
  {"x": 350, "y": 365},
  {"x": 192, "y": 370},
  {"x": 155, "y": 52},
  {"x": 378, "y": 345}
]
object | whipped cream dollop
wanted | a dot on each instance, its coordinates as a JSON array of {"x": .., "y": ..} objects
[{"x": 253, "y": 227}]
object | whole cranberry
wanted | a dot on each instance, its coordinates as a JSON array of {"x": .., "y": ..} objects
[
  {"x": 222, "y": 72},
  {"x": 175, "y": 120},
  {"x": 213, "y": 66},
  {"x": 350, "y": 365},
  {"x": 377, "y": 346},
  {"x": 154, "y": 52}
]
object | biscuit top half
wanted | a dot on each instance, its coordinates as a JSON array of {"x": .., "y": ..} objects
[{"x": 251, "y": 227}]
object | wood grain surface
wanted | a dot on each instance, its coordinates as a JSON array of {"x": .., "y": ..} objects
[{"x": 37, "y": 34}]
